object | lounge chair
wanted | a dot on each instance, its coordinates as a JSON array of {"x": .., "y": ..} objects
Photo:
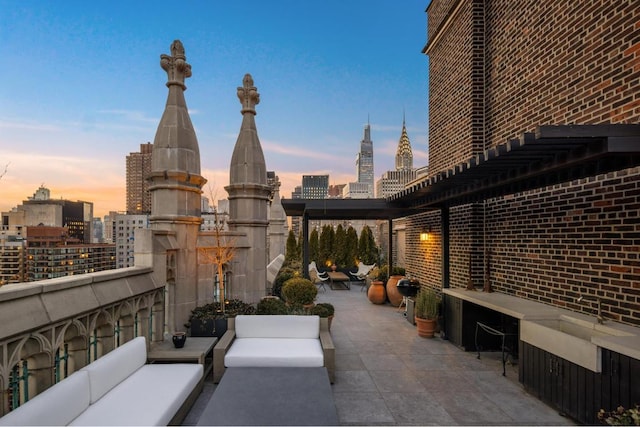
[
  {"x": 317, "y": 277},
  {"x": 362, "y": 272}
]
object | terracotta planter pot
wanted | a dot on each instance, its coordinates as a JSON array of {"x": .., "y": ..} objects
[
  {"x": 376, "y": 293},
  {"x": 329, "y": 320},
  {"x": 426, "y": 327},
  {"x": 395, "y": 298}
]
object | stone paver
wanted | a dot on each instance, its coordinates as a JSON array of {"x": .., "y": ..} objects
[{"x": 387, "y": 375}]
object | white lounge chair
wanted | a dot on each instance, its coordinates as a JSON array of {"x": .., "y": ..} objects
[
  {"x": 362, "y": 272},
  {"x": 317, "y": 277}
]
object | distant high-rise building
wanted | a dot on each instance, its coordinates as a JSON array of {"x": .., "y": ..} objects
[
  {"x": 297, "y": 192},
  {"x": 404, "y": 155},
  {"x": 335, "y": 191},
  {"x": 42, "y": 210},
  {"x": 123, "y": 235},
  {"x": 364, "y": 160},
  {"x": 393, "y": 181},
  {"x": 138, "y": 170},
  {"x": 356, "y": 190},
  {"x": 315, "y": 186},
  {"x": 98, "y": 230}
]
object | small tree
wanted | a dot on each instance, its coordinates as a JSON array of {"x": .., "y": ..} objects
[
  {"x": 367, "y": 249},
  {"x": 351, "y": 246},
  {"x": 313, "y": 246},
  {"x": 220, "y": 254},
  {"x": 326, "y": 244},
  {"x": 291, "y": 252},
  {"x": 340, "y": 247}
]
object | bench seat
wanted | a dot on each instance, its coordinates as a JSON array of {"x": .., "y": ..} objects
[
  {"x": 274, "y": 353},
  {"x": 275, "y": 341},
  {"x": 118, "y": 388}
]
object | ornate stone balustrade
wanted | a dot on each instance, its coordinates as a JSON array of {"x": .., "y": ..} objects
[{"x": 51, "y": 328}]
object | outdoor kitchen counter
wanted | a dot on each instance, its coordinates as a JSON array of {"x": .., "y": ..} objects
[{"x": 525, "y": 310}]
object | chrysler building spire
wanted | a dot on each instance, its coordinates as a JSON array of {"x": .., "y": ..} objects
[{"x": 404, "y": 155}]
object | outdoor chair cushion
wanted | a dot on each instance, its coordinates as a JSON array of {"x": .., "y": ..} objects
[
  {"x": 112, "y": 368},
  {"x": 151, "y": 396},
  {"x": 277, "y": 326},
  {"x": 56, "y": 406},
  {"x": 275, "y": 352}
]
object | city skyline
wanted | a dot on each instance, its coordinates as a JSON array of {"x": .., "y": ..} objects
[{"x": 78, "y": 103}]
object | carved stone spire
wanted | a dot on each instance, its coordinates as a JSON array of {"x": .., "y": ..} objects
[
  {"x": 248, "y": 198},
  {"x": 247, "y": 162},
  {"x": 248, "y": 95},
  {"x": 175, "y": 162},
  {"x": 176, "y": 65}
]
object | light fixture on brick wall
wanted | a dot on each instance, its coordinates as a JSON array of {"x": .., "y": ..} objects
[{"x": 424, "y": 234}]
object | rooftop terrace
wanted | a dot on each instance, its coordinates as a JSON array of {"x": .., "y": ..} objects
[{"x": 387, "y": 375}]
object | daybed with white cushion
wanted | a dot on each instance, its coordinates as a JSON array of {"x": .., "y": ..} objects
[
  {"x": 117, "y": 389},
  {"x": 275, "y": 341}
]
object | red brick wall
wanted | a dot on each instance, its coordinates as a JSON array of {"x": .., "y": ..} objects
[
  {"x": 575, "y": 238},
  {"x": 501, "y": 68},
  {"x": 454, "y": 116},
  {"x": 560, "y": 62}
]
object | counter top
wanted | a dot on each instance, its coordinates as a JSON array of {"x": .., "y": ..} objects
[{"x": 526, "y": 310}]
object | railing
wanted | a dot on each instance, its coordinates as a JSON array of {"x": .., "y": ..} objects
[{"x": 71, "y": 321}]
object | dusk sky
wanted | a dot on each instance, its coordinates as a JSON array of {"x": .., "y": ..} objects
[{"x": 82, "y": 87}]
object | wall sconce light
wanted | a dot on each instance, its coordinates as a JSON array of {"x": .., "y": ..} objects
[{"x": 424, "y": 234}]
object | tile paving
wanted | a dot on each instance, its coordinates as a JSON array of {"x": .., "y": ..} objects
[{"x": 387, "y": 375}]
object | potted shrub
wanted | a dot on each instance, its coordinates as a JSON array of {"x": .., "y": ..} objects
[
  {"x": 283, "y": 275},
  {"x": 271, "y": 306},
  {"x": 426, "y": 312},
  {"x": 299, "y": 290},
  {"x": 210, "y": 320},
  {"x": 330, "y": 311}
]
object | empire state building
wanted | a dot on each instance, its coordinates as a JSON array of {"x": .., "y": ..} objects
[{"x": 364, "y": 161}]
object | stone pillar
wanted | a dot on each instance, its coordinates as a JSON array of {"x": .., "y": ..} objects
[
  {"x": 175, "y": 188},
  {"x": 248, "y": 201},
  {"x": 278, "y": 229}
]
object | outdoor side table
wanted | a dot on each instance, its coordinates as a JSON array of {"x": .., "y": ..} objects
[{"x": 195, "y": 350}]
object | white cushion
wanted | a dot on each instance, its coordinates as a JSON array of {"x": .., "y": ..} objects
[
  {"x": 151, "y": 396},
  {"x": 109, "y": 370},
  {"x": 57, "y": 405},
  {"x": 274, "y": 352},
  {"x": 277, "y": 326}
]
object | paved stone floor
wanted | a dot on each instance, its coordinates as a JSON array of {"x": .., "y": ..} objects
[{"x": 387, "y": 375}]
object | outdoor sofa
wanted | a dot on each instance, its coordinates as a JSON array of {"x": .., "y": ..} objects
[
  {"x": 275, "y": 341},
  {"x": 118, "y": 388}
]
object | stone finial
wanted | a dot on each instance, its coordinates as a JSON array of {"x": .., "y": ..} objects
[
  {"x": 176, "y": 65},
  {"x": 248, "y": 95}
]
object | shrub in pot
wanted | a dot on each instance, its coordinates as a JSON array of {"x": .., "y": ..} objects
[
  {"x": 209, "y": 320},
  {"x": 324, "y": 309},
  {"x": 283, "y": 275},
  {"x": 299, "y": 290},
  {"x": 272, "y": 306},
  {"x": 426, "y": 312},
  {"x": 330, "y": 308},
  {"x": 318, "y": 310}
]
